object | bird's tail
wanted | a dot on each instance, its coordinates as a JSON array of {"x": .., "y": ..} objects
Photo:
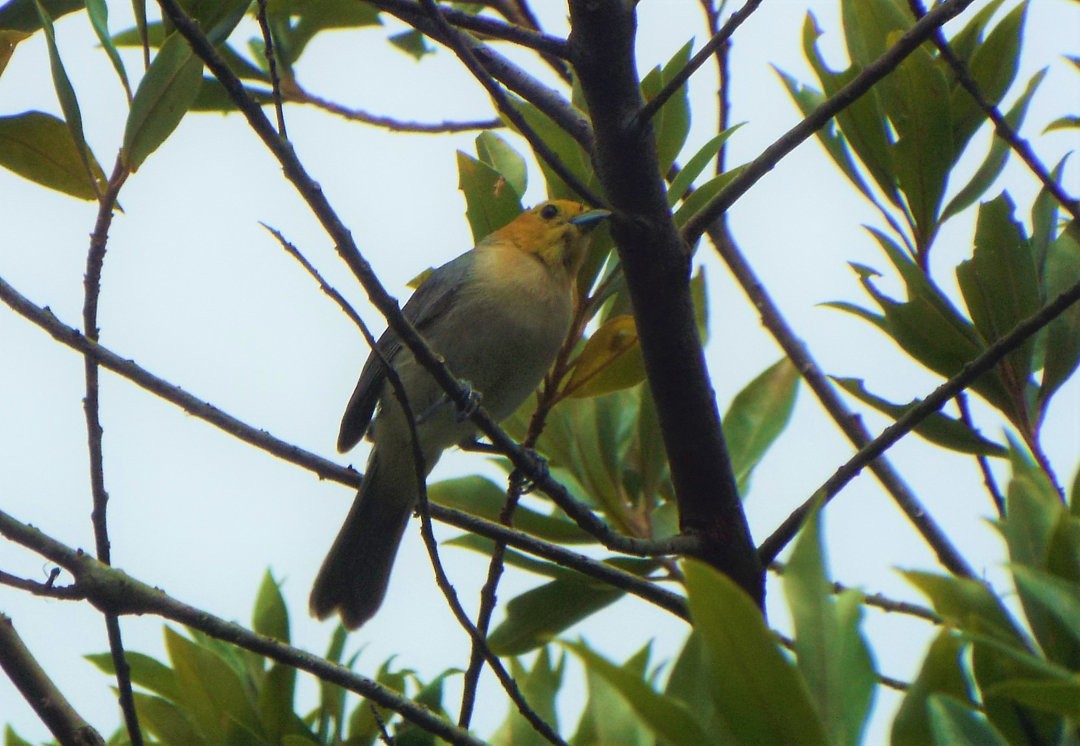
[{"x": 356, "y": 572}]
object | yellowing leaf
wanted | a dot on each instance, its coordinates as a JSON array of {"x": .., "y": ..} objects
[{"x": 610, "y": 361}]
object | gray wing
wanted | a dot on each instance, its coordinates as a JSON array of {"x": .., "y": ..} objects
[{"x": 435, "y": 296}]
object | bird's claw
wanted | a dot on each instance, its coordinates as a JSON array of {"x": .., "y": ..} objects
[
  {"x": 462, "y": 414},
  {"x": 538, "y": 466},
  {"x": 471, "y": 405}
]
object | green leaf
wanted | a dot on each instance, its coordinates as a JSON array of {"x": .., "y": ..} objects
[
  {"x": 65, "y": 93},
  {"x": 22, "y": 15},
  {"x": 994, "y": 663},
  {"x": 608, "y": 718},
  {"x": 412, "y": 43},
  {"x": 832, "y": 655},
  {"x": 667, "y": 717},
  {"x": 1059, "y": 602},
  {"x": 757, "y": 416},
  {"x": 870, "y": 27},
  {"x": 482, "y": 497},
  {"x": 98, "y": 13},
  {"x": 863, "y": 123},
  {"x": 689, "y": 682},
  {"x": 671, "y": 123},
  {"x": 275, "y": 703},
  {"x": 1067, "y": 122},
  {"x": 164, "y": 95},
  {"x": 497, "y": 153},
  {"x": 9, "y": 39},
  {"x": 758, "y": 693},
  {"x": 938, "y": 428},
  {"x": 1000, "y": 287},
  {"x": 539, "y": 687},
  {"x": 210, "y": 691},
  {"x": 996, "y": 157},
  {"x": 968, "y": 605},
  {"x": 953, "y": 722},
  {"x": 11, "y": 738},
  {"x": 940, "y": 674},
  {"x": 701, "y": 197},
  {"x": 1062, "y": 356},
  {"x": 39, "y": 147},
  {"x": 270, "y": 617},
  {"x": 808, "y": 99},
  {"x": 490, "y": 202},
  {"x": 296, "y": 22},
  {"x": 1060, "y": 697},
  {"x": 697, "y": 163},
  {"x": 147, "y": 672},
  {"x": 166, "y": 721},
  {"x": 570, "y": 153},
  {"x": 537, "y": 616},
  {"x": 916, "y": 98},
  {"x": 993, "y": 65}
]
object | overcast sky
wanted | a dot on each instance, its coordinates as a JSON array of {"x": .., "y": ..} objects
[{"x": 197, "y": 292}]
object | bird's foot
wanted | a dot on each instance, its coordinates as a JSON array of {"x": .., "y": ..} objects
[
  {"x": 538, "y": 468},
  {"x": 471, "y": 405}
]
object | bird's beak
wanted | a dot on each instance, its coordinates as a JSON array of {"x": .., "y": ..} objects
[{"x": 589, "y": 220}]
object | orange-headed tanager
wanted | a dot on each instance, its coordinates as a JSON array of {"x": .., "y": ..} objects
[{"x": 497, "y": 315}]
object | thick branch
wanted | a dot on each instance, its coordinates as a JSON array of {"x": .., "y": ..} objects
[{"x": 657, "y": 267}]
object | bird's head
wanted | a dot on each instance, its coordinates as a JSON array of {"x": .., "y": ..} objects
[{"x": 556, "y": 232}]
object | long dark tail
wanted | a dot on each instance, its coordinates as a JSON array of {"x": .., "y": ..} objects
[{"x": 356, "y": 572}]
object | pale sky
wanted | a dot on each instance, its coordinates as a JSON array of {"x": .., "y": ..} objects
[{"x": 197, "y": 292}]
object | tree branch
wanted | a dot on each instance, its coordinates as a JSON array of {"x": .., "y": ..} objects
[
  {"x": 932, "y": 403},
  {"x": 922, "y": 30},
  {"x": 720, "y": 38},
  {"x": 95, "y": 260},
  {"x": 116, "y": 592},
  {"x": 460, "y": 44},
  {"x": 41, "y": 693},
  {"x": 849, "y": 423},
  {"x": 547, "y": 100},
  {"x": 1001, "y": 127},
  {"x": 330, "y": 470},
  {"x": 656, "y": 264},
  {"x": 410, "y": 11}
]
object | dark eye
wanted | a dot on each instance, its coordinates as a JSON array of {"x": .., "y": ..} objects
[{"x": 547, "y": 212}]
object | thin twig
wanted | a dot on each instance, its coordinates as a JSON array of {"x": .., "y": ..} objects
[
  {"x": 67, "y": 592},
  {"x": 863, "y": 82},
  {"x": 549, "y": 101},
  {"x": 1001, "y": 127},
  {"x": 718, "y": 40},
  {"x": 95, "y": 259},
  {"x": 932, "y": 403},
  {"x": 40, "y": 692},
  {"x": 457, "y": 43},
  {"x": 271, "y": 62},
  {"x": 849, "y": 422},
  {"x": 878, "y": 600},
  {"x": 519, "y": 35},
  {"x": 984, "y": 463},
  {"x": 296, "y": 94}
]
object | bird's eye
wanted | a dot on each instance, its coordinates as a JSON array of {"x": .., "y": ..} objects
[{"x": 547, "y": 212}]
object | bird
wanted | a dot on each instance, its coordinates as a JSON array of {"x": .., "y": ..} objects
[{"x": 497, "y": 315}]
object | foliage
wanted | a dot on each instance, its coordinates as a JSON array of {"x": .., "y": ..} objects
[{"x": 997, "y": 672}]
